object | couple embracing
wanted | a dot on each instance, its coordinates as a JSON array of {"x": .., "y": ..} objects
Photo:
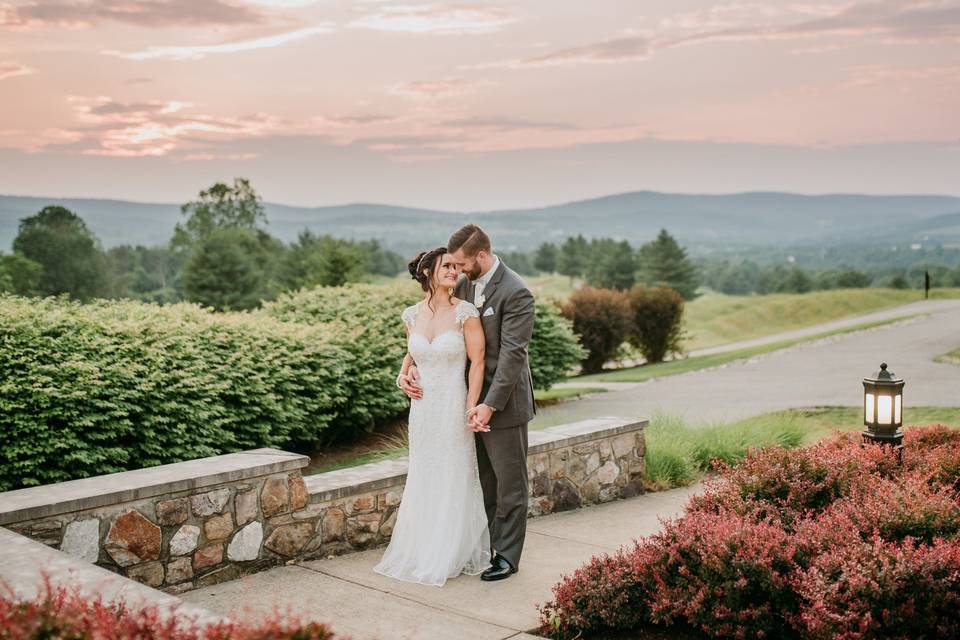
[{"x": 464, "y": 507}]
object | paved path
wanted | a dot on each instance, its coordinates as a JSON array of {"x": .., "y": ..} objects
[
  {"x": 822, "y": 372},
  {"x": 365, "y": 605}
]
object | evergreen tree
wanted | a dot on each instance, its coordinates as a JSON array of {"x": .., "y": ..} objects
[
  {"x": 224, "y": 270},
  {"x": 574, "y": 256},
  {"x": 66, "y": 250},
  {"x": 664, "y": 262},
  {"x": 19, "y": 274},
  {"x": 612, "y": 264},
  {"x": 545, "y": 259}
]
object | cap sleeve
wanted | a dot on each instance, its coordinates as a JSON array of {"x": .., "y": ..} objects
[
  {"x": 466, "y": 310},
  {"x": 409, "y": 315}
]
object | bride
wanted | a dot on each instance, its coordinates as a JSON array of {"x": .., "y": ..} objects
[{"x": 441, "y": 528}]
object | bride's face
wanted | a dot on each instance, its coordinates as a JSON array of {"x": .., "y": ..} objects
[{"x": 446, "y": 272}]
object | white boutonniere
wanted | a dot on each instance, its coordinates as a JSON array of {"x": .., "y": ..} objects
[{"x": 479, "y": 300}]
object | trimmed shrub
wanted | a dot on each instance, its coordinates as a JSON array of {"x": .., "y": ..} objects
[
  {"x": 363, "y": 321},
  {"x": 602, "y": 319},
  {"x": 63, "y": 613},
  {"x": 833, "y": 541},
  {"x": 554, "y": 348},
  {"x": 105, "y": 387},
  {"x": 657, "y": 315}
]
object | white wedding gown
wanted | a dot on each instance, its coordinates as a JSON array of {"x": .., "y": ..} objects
[{"x": 441, "y": 529}]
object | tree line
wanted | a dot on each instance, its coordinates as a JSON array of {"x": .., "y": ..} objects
[{"x": 220, "y": 255}]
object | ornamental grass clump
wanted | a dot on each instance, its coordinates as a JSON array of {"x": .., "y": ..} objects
[{"x": 836, "y": 540}]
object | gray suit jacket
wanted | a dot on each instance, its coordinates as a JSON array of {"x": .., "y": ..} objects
[{"x": 507, "y": 383}]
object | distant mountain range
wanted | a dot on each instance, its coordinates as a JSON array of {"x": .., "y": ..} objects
[{"x": 735, "y": 220}]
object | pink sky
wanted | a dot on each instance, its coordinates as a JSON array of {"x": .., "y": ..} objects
[{"x": 477, "y": 105}]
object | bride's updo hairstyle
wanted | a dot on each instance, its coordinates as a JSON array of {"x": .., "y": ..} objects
[{"x": 423, "y": 267}]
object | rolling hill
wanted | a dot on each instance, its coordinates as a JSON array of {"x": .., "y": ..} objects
[{"x": 744, "y": 219}]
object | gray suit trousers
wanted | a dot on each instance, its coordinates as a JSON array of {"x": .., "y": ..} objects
[{"x": 502, "y": 459}]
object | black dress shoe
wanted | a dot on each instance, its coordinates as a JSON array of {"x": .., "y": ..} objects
[{"x": 499, "y": 570}]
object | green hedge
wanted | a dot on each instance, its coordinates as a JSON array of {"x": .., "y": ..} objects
[
  {"x": 89, "y": 389},
  {"x": 104, "y": 387},
  {"x": 363, "y": 320}
]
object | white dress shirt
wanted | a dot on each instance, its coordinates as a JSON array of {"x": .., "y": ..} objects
[{"x": 482, "y": 281}]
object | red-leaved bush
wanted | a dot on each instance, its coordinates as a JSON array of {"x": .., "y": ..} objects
[
  {"x": 61, "y": 613},
  {"x": 837, "y": 540}
]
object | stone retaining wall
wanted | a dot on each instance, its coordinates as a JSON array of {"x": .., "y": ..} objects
[
  {"x": 569, "y": 466},
  {"x": 196, "y": 523}
]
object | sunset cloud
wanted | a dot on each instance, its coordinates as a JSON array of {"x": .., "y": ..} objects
[
  {"x": 195, "y": 52},
  {"x": 144, "y": 13},
  {"x": 429, "y": 89},
  {"x": 436, "y": 18},
  {"x": 9, "y": 69}
]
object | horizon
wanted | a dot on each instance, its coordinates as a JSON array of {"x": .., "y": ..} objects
[
  {"x": 507, "y": 208},
  {"x": 481, "y": 106}
]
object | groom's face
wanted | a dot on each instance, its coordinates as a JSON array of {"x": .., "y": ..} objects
[{"x": 467, "y": 264}]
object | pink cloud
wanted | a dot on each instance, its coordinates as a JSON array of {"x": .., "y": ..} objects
[
  {"x": 9, "y": 69},
  {"x": 436, "y": 18},
  {"x": 145, "y": 13}
]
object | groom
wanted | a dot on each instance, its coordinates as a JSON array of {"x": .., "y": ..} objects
[{"x": 500, "y": 420}]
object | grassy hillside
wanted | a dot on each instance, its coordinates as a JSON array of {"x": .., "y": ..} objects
[{"x": 716, "y": 319}]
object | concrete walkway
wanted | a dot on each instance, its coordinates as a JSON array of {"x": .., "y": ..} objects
[
  {"x": 365, "y": 605},
  {"x": 817, "y": 373}
]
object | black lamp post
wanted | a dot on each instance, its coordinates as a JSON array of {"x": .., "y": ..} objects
[{"x": 883, "y": 409}]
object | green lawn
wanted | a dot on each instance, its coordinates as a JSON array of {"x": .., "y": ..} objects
[
  {"x": 679, "y": 453},
  {"x": 714, "y": 318},
  {"x": 554, "y": 396},
  {"x": 684, "y": 365},
  {"x": 952, "y": 357}
]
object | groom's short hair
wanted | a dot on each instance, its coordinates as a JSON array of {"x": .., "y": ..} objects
[{"x": 471, "y": 238}]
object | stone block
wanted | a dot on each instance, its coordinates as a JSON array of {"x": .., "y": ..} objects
[
  {"x": 218, "y": 527},
  {"x": 605, "y": 449},
  {"x": 540, "y": 484},
  {"x": 171, "y": 512},
  {"x": 184, "y": 541},
  {"x": 362, "y": 529},
  {"x": 608, "y": 494},
  {"x": 274, "y": 497},
  {"x": 333, "y": 524},
  {"x": 309, "y": 512},
  {"x": 362, "y": 504},
  {"x": 592, "y": 463},
  {"x": 607, "y": 474},
  {"x": 81, "y": 539},
  {"x": 208, "y": 556},
  {"x": 590, "y": 491},
  {"x": 245, "y": 506},
  {"x": 558, "y": 463},
  {"x": 565, "y": 496},
  {"x": 150, "y": 574},
  {"x": 245, "y": 545},
  {"x": 132, "y": 539},
  {"x": 48, "y": 532},
  {"x": 209, "y": 503},
  {"x": 298, "y": 493},
  {"x": 390, "y": 498},
  {"x": 586, "y": 448},
  {"x": 387, "y": 522},
  {"x": 577, "y": 470},
  {"x": 289, "y": 539},
  {"x": 623, "y": 445},
  {"x": 179, "y": 570}
]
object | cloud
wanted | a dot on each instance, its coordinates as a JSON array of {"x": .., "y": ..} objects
[
  {"x": 507, "y": 124},
  {"x": 196, "y": 52},
  {"x": 9, "y": 69},
  {"x": 144, "y": 13},
  {"x": 888, "y": 20},
  {"x": 107, "y": 127},
  {"x": 430, "y": 89},
  {"x": 436, "y": 18}
]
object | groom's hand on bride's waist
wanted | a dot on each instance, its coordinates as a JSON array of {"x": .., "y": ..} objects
[{"x": 410, "y": 384}]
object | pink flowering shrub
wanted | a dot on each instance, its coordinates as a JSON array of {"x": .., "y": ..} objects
[
  {"x": 837, "y": 540},
  {"x": 61, "y": 613}
]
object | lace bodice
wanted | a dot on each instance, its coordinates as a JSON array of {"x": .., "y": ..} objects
[{"x": 446, "y": 350}]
